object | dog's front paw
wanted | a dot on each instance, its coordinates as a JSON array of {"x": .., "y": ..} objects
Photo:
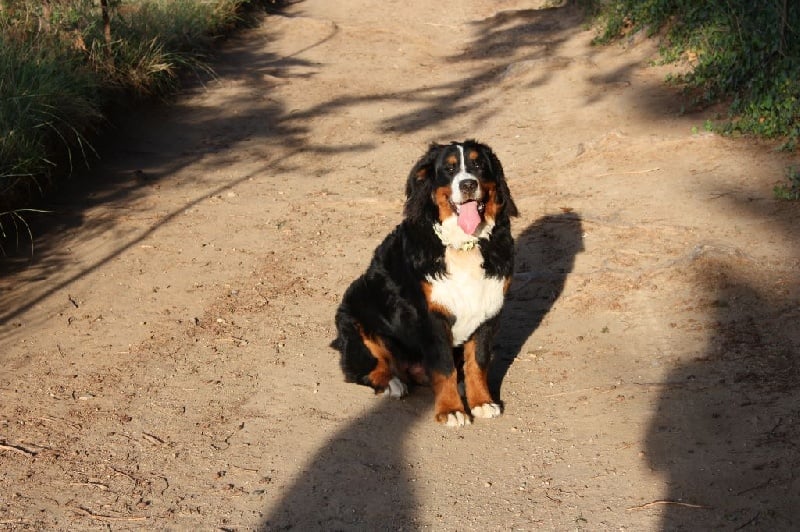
[
  {"x": 487, "y": 410},
  {"x": 456, "y": 418},
  {"x": 396, "y": 389}
]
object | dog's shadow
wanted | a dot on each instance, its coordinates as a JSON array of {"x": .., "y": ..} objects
[
  {"x": 360, "y": 480},
  {"x": 545, "y": 256}
]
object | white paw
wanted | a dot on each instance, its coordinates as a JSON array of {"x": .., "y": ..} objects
[
  {"x": 457, "y": 419},
  {"x": 487, "y": 410},
  {"x": 396, "y": 389}
]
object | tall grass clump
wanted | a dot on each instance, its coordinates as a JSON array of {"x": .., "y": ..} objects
[
  {"x": 743, "y": 52},
  {"x": 64, "y": 62},
  {"x": 48, "y": 99},
  {"x": 154, "y": 40}
]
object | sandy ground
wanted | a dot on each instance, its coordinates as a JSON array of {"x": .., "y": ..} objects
[{"x": 165, "y": 361}]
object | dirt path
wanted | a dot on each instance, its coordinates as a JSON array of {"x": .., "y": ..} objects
[{"x": 165, "y": 361}]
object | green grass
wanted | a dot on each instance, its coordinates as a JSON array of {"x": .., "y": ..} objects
[
  {"x": 744, "y": 53},
  {"x": 789, "y": 191},
  {"x": 47, "y": 101},
  {"x": 58, "y": 73}
]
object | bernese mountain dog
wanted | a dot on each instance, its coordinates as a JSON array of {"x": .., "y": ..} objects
[{"x": 427, "y": 308}]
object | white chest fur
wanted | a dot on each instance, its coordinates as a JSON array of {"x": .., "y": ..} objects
[{"x": 466, "y": 292}]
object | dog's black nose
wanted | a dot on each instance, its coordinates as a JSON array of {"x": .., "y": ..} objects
[{"x": 468, "y": 186}]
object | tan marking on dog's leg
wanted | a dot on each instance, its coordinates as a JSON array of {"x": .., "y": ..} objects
[
  {"x": 475, "y": 377},
  {"x": 448, "y": 407},
  {"x": 479, "y": 399},
  {"x": 382, "y": 374}
]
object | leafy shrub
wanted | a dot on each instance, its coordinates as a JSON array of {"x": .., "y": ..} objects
[
  {"x": 744, "y": 52},
  {"x": 791, "y": 190}
]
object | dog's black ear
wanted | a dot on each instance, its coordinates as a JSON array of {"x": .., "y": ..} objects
[
  {"x": 420, "y": 184},
  {"x": 503, "y": 193},
  {"x": 423, "y": 169}
]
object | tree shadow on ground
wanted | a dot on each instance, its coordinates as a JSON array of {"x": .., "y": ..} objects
[
  {"x": 360, "y": 480},
  {"x": 545, "y": 256},
  {"x": 143, "y": 148},
  {"x": 727, "y": 425},
  {"x": 135, "y": 158},
  {"x": 509, "y": 38}
]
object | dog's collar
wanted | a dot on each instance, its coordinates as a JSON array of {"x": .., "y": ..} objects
[{"x": 463, "y": 244}]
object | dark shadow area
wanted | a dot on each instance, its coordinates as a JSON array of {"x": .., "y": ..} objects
[
  {"x": 545, "y": 256},
  {"x": 147, "y": 146},
  {"x": 143, "y": 147},
  {"x": 506, "y": 39},
  {"x": 726, "y": 431},
  {"x": 360, "y": 480}
]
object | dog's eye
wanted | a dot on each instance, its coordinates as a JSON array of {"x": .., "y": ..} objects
[{"x": 450, "y": 170}]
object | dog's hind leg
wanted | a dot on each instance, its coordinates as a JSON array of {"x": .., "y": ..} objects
[
  {"x": 383, "y": 376},
  {"x": 366, "y": 360}
]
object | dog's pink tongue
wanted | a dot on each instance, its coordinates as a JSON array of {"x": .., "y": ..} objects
[{"x": 468, "y": 217}]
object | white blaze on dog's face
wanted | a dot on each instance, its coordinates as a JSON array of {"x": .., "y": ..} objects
[
  {"x": 462, "y": 195},
  {"x": 464, "y": 185}
]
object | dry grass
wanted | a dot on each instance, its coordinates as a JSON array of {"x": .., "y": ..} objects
[{"x": 62, "y": 62}]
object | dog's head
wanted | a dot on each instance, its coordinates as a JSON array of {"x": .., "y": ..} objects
[{"x": 460, "y": 184}]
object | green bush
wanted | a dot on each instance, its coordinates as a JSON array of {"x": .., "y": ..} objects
[
  {"x": 789, "y": 191},
  {"x": 59, "y": 71},
  {"x": 745, "y": 52}
]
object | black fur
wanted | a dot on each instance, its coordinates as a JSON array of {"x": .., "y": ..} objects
[{"x": 388, "y": 302}]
